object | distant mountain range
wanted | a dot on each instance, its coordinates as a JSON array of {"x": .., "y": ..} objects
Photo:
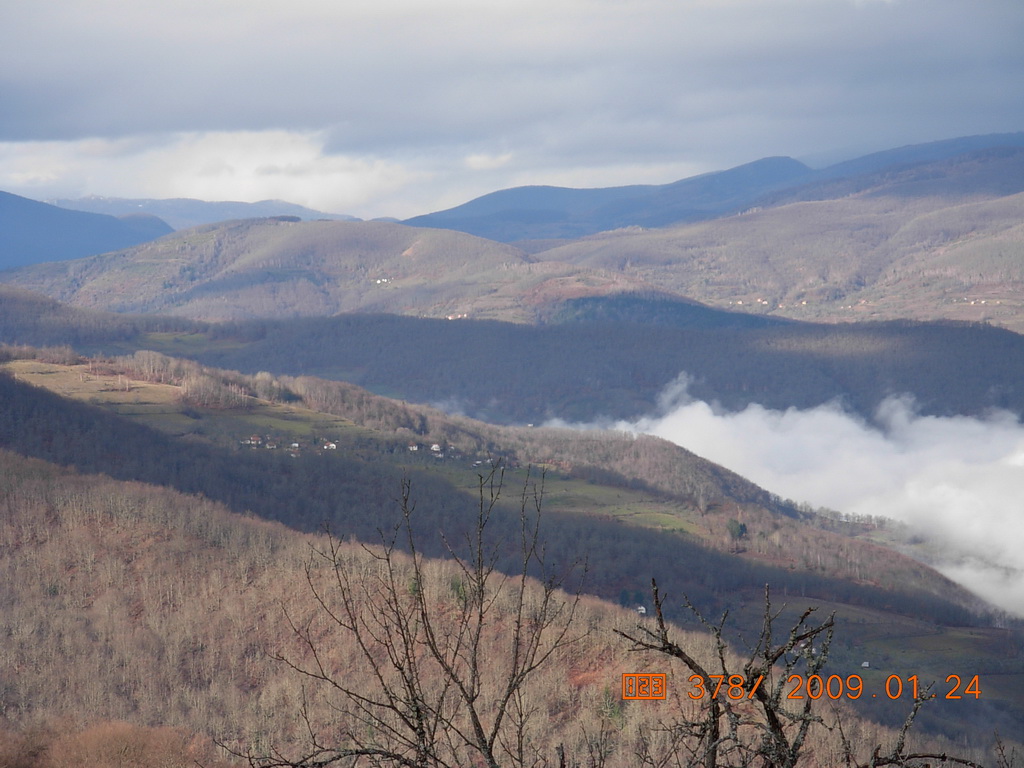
[
  {"x": 183, "y": 212},
  {"x": 926, "y": 240},
  {"x": 918, "y": 233},
  {"x": 544, "y": 213},
  {"x": 33, "y": 232}
]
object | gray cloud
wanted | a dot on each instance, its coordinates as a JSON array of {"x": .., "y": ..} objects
[{"x": 565, "y": 88}]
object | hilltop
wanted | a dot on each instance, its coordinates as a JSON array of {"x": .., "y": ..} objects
[
  {"x": 545, "y": 213},
  {"x": 283, "y": 268},
  {"x": 939, "y": 240}
]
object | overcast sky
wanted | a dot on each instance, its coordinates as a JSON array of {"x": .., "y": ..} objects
[{"x": 400, "y": 107}]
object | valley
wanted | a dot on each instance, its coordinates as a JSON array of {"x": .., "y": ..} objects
[{"x": 186, "y": 422}]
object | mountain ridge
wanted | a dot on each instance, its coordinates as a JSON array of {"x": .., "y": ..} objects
[
  {"x": 544, "y": 213},
  {"x": 935, "y": 240},
  {"x": 32, "y": 232},
  {"x": 186, "y": 212},
  {"x": 283, "y": 268},
  {"x": 532, "y": 213}
]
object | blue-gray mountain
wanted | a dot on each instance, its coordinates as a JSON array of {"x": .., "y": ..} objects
[
  {"x": 184, "y": 212},
  {"x": 544, "y": 213},
  {"x": 32, "y": 232}
]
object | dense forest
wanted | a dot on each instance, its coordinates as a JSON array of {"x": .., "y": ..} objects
[
  {"x": 594, "y": 358},
  {"x": 584, "y": 371}
]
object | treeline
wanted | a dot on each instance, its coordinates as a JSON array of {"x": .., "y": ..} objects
[{"x": 31, "y": 318}]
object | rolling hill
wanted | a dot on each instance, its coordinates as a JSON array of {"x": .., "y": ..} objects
[
  {"x": 541, "y": 213},
  {"x": 282, "y": 268},
  {"x": 545, "y": 213},
  {"x": 941, "y": 240},
  {"x": 937, "y": 238}
]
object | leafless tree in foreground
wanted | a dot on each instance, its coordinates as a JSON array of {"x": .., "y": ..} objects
[
  {"x": 442, "y": 656},
  {"x": 440, "y": 664},
  {"x": 744, "y": 718}
]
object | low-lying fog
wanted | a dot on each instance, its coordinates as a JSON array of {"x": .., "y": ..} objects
[{"x": 958, "y": 481}]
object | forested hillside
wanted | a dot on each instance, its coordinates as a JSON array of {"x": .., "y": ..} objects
[
  {"x": 353, "y": 491},
  {"x": 596, "y": 357},
  {"x": 585, "y": 371},
  {"x": 33, "y": 319},
  {"x": 199, "y": 432},
  {"x": 167, "y": 611},
  {"x": 282, "y": 268},
  {"x": 941, "y": 240},
  {"x": 356, "y": 491}
]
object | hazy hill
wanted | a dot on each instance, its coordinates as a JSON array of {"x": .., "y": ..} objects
[
  {"x": 283, "y": 268},
  {"x": 536, "y": 213},
  {"x": 928, "y": 152},
  {"x": 32, "y": 232},
  {"x": 938, "y": 240},
  {"x": 184, "y": 212},
  {"x": 544, "y": 213}
]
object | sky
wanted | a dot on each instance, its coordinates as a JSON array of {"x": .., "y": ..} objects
[
  {"x": 957, "y": 482},
  {"x": 400, "y": 107}
]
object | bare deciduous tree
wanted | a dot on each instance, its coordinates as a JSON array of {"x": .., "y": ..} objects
[
  {"x": 758, "y": 726},
  {"x": 446, "y": 653}
]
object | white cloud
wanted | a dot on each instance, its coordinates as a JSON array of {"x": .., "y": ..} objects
[
  {"x": 486, "y": 162},
  {"x": 243, "y": 165},
  {"x": 959, "y": 480}
]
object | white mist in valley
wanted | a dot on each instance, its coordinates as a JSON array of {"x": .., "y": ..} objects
[{"x": 959, "y": 481}]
